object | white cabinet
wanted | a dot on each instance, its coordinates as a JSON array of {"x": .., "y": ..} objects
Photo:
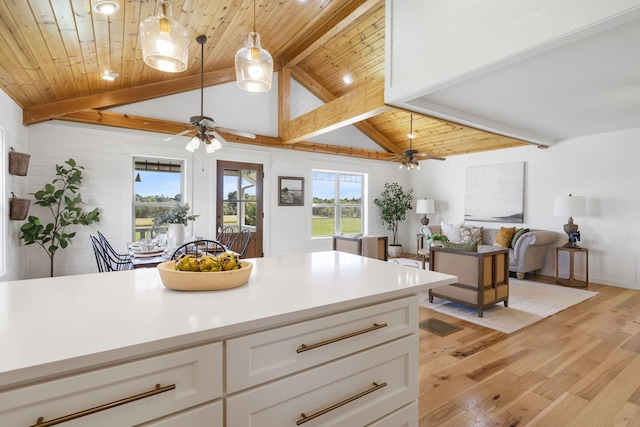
[
  {"x": 209, "y": 415},
  {"x": 354, "y": 367},
  {"x": 352, "y": 391},
  {"x": 349, "y": 369},
  {"x": 125, "y": 394},
  {"x": 264, "y": 356}
]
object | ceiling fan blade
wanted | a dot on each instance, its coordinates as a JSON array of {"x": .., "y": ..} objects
[
  {"x": 178, "y": 134},
  {"x": 238, "y": 132},
  {"x": 428, "y": 156},
  {"x": 219, "y": 138}
]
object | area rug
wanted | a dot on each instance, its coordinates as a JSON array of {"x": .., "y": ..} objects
[{"x": 529, "y": 302}]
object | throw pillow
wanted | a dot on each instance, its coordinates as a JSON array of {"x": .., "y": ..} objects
[
  {"x": 471, "y": 235},
  {"x": 451, "y": 231},
  {"x": 472, "y": 246},
  {"x": 517, "y": 235},
  {"x": 504, "y": 236}
]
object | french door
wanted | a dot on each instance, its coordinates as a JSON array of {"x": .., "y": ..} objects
[{"x": 239, "y": 201}]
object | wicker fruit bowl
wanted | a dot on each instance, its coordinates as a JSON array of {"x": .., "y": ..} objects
[{"x": 203, "y": 281}]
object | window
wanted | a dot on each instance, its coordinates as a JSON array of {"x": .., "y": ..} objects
[
  {"x": 337, "y": 203},
  {"x": 157, "y": 188}
]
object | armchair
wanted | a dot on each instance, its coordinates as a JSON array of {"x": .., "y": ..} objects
[{"x": 483, "y": 277}]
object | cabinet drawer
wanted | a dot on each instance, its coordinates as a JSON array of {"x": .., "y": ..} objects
[
  {"x": 405, "y": 417},
  {"x": 265, "y": 356},
  {"x": 353, "y": 391},
  {"x": 184, "y": 370},
  {"x": 205, "y": 416}
]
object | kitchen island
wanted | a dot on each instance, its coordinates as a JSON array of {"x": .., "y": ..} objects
[{"x": 308, "y": 332}]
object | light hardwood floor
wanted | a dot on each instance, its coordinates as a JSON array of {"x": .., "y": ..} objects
[{"x": 580, "y": 367}]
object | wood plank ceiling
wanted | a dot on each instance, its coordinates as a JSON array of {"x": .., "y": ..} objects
[{"x": 54, "y": 52}]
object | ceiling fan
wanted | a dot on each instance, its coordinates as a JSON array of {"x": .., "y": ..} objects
[
  {"x": 411, "y": 157},
  {"x": 207, "y": 129}
]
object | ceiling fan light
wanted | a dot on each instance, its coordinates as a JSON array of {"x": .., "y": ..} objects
[
  {"x": 193, "y": 144},
  {"x": 216, "y": 144},
  {"x": 209, "y": 148},
  {"x": 254, "y": 66},
  {"x": 165, "y": 45}
]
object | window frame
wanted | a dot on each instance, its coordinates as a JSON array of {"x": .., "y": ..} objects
[{"x": 337, "y": 205}]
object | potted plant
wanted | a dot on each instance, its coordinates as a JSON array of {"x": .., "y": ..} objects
[
  {"x": 64, "y": 202},
  {"x": 177, "y": 219},
  {"x": 394, "y": 203},
  {"x": 436, "y": 239}
]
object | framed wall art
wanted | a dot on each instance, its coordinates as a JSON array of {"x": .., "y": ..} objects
[
  {"x": 290, "y": 191},
  {"x": 495, "y": 193}
]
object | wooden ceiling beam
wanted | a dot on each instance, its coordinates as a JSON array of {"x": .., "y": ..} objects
[
  {"x": 126, "y": 121},
  {"x": 53, "y": 110},
  {"x": 325, "y": 95},
  {"x": 330, "y": 28},
  {"x": 361, "y": 103}
]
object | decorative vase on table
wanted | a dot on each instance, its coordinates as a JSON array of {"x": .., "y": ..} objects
[{"x": 176, "y": 233}]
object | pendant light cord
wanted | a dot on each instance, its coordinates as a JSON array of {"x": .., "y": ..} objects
[{"x": 254, "y": 16}]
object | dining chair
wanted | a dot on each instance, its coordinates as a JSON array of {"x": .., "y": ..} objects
[
  {"x": 107, "y": 247},
  {"x": 199, "y": 248},
  {"x": 240, "y": 243},
  {"x": 100, "y": 259},
  {"x": 225, "y": 236},
  {"x": 107, "y": 260}
]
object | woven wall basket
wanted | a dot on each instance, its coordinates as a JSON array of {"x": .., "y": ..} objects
[
  {"x": 19, "y": 207},
  {"x": 18, "y": 162}
]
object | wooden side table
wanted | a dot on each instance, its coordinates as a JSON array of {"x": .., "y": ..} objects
[
  {"x": 571, "y": 281},
  {"x": 420, "y": 245}
]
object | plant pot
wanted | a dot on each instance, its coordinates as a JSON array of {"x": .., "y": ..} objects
[
  {"x": 176, "y": 233},
  {"x": 437, "y": 243},
  {"x": 395, "y": 251}
]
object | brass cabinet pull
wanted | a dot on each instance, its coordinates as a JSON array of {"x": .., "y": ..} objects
[
  {"x": 305, "y": 347},
  {"x": 42, "y": 423},
  {"x": 306, "y": 418}
]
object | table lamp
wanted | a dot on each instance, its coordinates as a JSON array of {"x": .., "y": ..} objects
[
  {"x": 424, "y": 207},
  {"x": 569, "y": 206}
]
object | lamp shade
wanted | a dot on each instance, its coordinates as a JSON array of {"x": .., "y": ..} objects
[
  {"x": 425, "y": 206},
  {"x": 569, "y": 206},
  {"x": 164, "y": 42},
  {"x": 254, "y": 66}
]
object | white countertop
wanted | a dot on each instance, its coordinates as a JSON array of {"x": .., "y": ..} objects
[{"x": 64, "y": 324}]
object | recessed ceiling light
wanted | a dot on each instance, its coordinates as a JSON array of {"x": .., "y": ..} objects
[
  {"x": 347, "y": 79},
  {"x": 106, "y": 7},
  {"x": 110, "y": 76}
]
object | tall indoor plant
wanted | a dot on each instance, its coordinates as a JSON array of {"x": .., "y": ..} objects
[
  {"x": 394, "y": 203},
  {"x": 177, "y": 220},
  {"x": 64, "y": 202}
]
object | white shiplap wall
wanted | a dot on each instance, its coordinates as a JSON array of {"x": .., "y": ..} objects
[{"x": 106, "y": 155}]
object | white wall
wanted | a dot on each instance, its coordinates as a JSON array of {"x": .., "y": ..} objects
[
  {"x": 15, "y": 135},
  {"x": 467, "y": 36},
  {"x": 604, "y": 168},
  {"x": 106, "y": 156}
]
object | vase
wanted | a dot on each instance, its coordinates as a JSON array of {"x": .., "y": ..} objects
[
  {"x": 176, "y": 234},
  {"x": 395, "y": 251}
]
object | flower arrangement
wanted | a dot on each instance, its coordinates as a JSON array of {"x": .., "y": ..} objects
[{"x": 178, "y": 215}]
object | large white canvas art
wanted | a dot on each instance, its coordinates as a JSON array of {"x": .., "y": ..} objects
[{"x": 495, "y": 193}]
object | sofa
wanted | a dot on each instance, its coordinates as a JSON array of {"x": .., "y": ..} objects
[
  {"x": 526, "y": 255},
  {"x": 483, "y": 276}
]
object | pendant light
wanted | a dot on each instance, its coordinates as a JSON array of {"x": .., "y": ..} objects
[
  {"x": 164, "y": 42},
  {"x": 254, "y": 65}
]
